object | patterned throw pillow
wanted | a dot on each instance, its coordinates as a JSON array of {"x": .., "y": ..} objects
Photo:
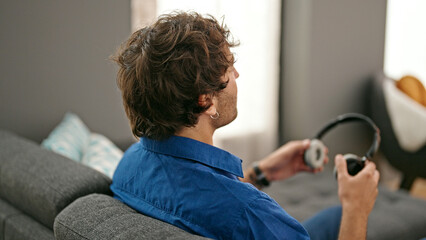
[
  {"x": 69, "y": 138},
  {"x": 101, "y": 154}
]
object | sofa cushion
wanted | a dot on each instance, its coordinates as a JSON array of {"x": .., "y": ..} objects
[
  {"x": 396, "y": 215},
  {"x": 101, "y": 154},
  {"x": 14, "y": 224},
  {"x": 98, "y": 216},
  {"x": 73, "y": 139},
  {"x": 6, "y": 211},
  {"x": 69, "y": 138},
  {"x": 24, "y": 227},
  {"x": 40, "y": 182}
]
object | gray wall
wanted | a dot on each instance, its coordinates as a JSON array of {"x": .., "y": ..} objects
[
  {"x": 54, "y": 58},
  {"x": 330, "y": 49}
]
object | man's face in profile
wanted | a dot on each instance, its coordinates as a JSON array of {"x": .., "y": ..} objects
[{"x": 227, "y": 98}]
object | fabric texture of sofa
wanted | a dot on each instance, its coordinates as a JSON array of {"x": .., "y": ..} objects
[
  {"x": 36, "y": 185},
  {"x": 396, "y": 215},
  {"x": 44, "y": 196}
]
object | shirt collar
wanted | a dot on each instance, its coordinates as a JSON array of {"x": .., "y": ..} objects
[{"x": 197, "y": 151}]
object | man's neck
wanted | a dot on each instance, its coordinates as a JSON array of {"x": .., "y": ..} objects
[{"x": 202, "y": 131}]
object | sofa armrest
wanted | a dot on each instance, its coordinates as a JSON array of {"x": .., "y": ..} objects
[{"x": 41, "y": 183}]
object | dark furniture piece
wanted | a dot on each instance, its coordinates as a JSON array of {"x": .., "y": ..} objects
[{"x": 412, "y": 165}]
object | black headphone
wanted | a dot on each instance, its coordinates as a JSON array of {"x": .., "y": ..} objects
[{"x": 314, "y": 156}]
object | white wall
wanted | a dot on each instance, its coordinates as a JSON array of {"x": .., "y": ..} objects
[{"x": 405, "y": 52}]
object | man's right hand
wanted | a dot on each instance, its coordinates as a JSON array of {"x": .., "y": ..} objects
[{"x": 357, "y": 195}]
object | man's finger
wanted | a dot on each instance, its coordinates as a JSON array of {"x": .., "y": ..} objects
[
  {"x": 341, "y": 166},
  {"x": 319, "y": 170},
  {"x": 369, "y": 168},
  {"x": 326, "y": 159},
  {"x": 376, "y": 176},
  {"x": 306, "y": 143},
  {"x": 300, "y": 146}
]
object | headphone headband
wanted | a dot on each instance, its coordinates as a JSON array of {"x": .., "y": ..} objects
[{"x": 351, "y": 117}]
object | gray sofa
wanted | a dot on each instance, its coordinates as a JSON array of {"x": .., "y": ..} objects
[
  {"x": 396, "y": 215},
  {"x": 45, "y": 196}
]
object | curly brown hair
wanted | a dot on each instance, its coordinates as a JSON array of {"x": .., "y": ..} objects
[{"x": 165, "y": 67}]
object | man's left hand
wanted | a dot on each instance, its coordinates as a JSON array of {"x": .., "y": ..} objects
[{"x": 287, "y": 161}]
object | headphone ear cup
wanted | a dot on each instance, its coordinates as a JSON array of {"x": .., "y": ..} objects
[
  {"x": 314, "y": 156},
  {"x": 354, "y": 164}
]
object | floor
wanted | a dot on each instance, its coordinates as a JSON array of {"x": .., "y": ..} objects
[{"x": 391, "y": 177}]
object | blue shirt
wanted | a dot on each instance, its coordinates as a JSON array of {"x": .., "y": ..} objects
[{"x": 195, "y": 186}]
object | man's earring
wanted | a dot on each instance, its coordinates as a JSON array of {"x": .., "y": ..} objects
[{"x": 215, "y": 116}]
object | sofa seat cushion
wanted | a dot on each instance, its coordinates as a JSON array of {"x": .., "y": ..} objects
[
  {"x": 6, "y": 211},
  {"x": 16, "y": 225},
  {"x": 99, "y": 216},
  {"x": 396, "y": 215},
  {"x": 24, "y": 227},
  {"x": 41, "y": 183}
]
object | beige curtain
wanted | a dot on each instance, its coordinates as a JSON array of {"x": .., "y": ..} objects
[{"x": 143, "y": 13}]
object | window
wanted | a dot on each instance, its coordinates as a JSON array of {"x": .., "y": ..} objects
[{"x": 405, "y": 48}]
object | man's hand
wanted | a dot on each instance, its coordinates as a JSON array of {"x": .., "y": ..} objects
[
  {"x": 357, "y": 195},
  {"x": 287, "y": 161}
]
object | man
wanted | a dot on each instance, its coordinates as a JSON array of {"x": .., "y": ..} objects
[{"x": 178, "y": 85}]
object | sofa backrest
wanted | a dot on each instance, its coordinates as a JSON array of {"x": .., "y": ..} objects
[
  {"x": 99, "y": 216},
  {"x": 41, "y": 183}
]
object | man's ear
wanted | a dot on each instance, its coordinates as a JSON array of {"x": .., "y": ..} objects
[{"x": 205, "y": 100}]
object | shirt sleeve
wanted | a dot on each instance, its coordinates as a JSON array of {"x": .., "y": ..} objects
[{"x": 263, "y": 218}]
